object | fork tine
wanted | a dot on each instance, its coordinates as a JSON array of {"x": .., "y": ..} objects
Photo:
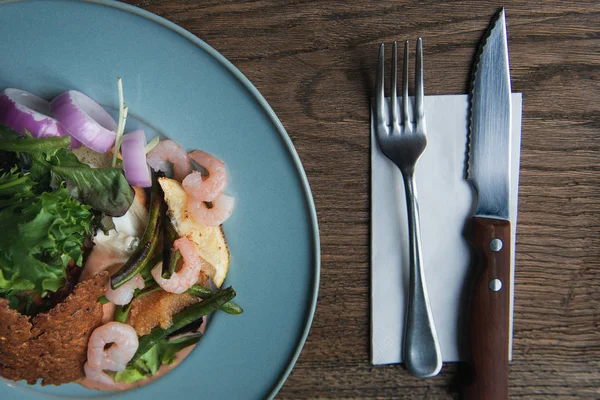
[
  {"x": 405, "y": 117},
  {"x": 394, "y": 85},
  {"x": 380, "y": 88},
  {"x": 419, "y": 111}
]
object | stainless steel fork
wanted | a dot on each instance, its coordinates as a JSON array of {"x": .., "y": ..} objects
[{"x": 403, "y": 141}]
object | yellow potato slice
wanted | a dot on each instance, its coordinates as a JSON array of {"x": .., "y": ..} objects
[{"x": 209, "y": 240}]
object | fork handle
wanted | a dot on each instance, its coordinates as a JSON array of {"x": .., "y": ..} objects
[{"x": 421, "y": 349}]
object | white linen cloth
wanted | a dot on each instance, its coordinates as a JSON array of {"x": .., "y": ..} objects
[{"x": 446, "y": 203}]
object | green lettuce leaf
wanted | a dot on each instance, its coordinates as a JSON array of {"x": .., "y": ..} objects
[
  {"x": 51, "y": 165},
  {"x": 15, "y": 187},
  {"x": 129, "y": 375},
  {"x": 40, "y": 236},
  {"x": 14, "y": 142},
  {"x": 161, "y": 353},
  {"x": 105, "y": 190}
]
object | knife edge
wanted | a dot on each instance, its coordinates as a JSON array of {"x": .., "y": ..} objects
[{"x": 499, "y": 16}]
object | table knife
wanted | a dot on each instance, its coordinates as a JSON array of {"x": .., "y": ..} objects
[{"x": 488, "y": 170}]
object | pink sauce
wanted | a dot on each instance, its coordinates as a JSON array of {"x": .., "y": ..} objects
[{"x": 126, "y": 386}]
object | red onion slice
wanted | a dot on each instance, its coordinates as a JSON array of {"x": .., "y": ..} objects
[
  {"x": 85, "y": 120},
  {"x": 21, "y": 111},
  {"x": 137, "y": 170}
]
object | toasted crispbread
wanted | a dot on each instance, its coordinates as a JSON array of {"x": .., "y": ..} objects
[
  {"x": 51, "y": 346},
  {"x": 157, "y": 309}
]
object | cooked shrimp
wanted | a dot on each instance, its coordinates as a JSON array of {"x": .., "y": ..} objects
[
  {"x": 97, "y": 375},
  {"x": 206, "y": 188},
  {"x": 169, "y": 151},
  {"x": 124, "y": 294},
  {"x": 124, "y": 344},
  {"x": 189, "y": 273},
  {"x": 221, "y": 209}
]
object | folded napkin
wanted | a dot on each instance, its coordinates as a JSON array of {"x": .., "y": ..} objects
[{"x": 446, "y": 203}]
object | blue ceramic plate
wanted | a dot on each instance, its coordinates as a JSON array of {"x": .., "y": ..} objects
[{"x": 178, "y": 86}]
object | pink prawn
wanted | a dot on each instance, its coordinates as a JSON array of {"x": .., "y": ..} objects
[
  {"x": 124, "y": 294},
  {"x": 168, "y": 151},
  {"x": 97, "y": 375},
  {"x": 189, "y": 273},
  {"x": 206, "y": 188},
  {"x": 123, "y": 341},
  {"x": 221, "y": 209}
]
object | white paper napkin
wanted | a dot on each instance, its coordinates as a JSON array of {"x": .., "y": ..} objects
[{"x": 446, "y": 202}]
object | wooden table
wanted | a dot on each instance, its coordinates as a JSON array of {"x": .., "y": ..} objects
[{"x": 314, "y": 61}]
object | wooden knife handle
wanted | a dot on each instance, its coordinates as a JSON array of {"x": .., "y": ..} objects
[{"x": 489, "y": 323}]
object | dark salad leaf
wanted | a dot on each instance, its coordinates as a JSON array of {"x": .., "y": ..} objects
[
  {"x": 105, "y": 190},
  {"x": 8, "y": 159},
  {"x": 102, "y": 222},
  {"x": 51, "y": 165}
]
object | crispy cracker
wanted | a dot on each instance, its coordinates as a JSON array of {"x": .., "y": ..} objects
[
  {"x": 156, "y": 309},
  {"x": 51, "y": 346}
]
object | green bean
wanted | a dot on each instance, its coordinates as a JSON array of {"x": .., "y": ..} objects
[
  {"x": 142, "y": 255},
  {"x": 175, "y": 257},
  {"x": 170, "y": 256},
  {"x": 178, "y": 344},
  {"x": 182, "y": 319},
  {"x": 147, "y": 273},
  {"x": 122, "y": 312},
  {"x": 197, "y": 290},
  {"x": 151, "y": 288},
  {"x": 200, "y": 291}
]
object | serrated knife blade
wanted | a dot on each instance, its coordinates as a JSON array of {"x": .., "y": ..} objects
[
  {"x": 489, "y": 123},
  {"x": 488, "y": 170}
]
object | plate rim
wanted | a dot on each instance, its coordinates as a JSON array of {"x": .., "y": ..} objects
[{"x": 309, "y": 200}]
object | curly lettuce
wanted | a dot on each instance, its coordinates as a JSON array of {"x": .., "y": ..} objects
[
  {"x": 48, "y": 202},
  {"x": 41, "y": 234},
  {"x": 15, "y": 187}
]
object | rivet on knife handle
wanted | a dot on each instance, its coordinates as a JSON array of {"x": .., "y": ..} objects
[{"x": 488, "y": 331}]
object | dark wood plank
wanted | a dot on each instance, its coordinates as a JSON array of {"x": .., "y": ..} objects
[{"x": 314, "y": 61}]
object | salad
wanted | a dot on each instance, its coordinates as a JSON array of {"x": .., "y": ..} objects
[{"x": 112, "y": 252}]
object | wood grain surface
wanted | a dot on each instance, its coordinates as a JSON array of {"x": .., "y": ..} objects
[{"x": 314, "y": 61}]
